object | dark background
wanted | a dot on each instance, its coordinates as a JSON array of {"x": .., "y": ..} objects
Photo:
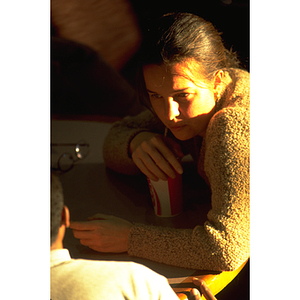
[
  {"x": 232, "y": 20},
  {"x": 82, "y": 82}
]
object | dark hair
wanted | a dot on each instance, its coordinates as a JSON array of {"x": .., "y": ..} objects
[
  {"x": 176, "y": 37},
  {"x": 57, "y": 204}
]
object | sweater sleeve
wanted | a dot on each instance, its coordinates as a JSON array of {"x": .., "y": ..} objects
[
  {"x": 116, "y": 144},
  {"x": 222, "y": 243}
]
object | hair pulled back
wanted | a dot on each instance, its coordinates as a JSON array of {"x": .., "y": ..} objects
[{"x": 176, "y": 37}]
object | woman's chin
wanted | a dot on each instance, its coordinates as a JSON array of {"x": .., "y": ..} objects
[{"x": 182, "y": 134}]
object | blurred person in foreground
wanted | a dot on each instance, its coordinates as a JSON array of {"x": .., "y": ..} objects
[{"x": 90, "y": 279}]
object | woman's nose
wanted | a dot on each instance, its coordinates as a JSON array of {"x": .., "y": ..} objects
[{"x": 172, "y": 109}]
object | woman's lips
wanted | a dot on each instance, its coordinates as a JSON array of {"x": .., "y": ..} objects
[{"x": 176, "y": 127}]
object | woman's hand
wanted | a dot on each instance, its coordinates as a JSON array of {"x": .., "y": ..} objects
[
  {"x": 103, "y": 233},
  {"x": 156, "y": 156}
]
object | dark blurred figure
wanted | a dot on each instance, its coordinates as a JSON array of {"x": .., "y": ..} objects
[
  {"x": 83, "y": 83},
  {"x": 91, "y": 42}
]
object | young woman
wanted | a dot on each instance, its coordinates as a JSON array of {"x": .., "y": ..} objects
[{"x": 193, "y": 87}]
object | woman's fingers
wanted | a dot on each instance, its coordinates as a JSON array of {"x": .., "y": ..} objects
[
  {"x": 83, "y": 230},
  {"x": 175, "y": 147},
  {"x": 170, "y": 158},
  {"x": 154, "y": 158},
  {"x": 83, "y": 235},
  {"x": 82, "y": 225},
  {"x": 103, "y": 233},
  {"x": 163, "y": 157},
  {"x": 147, "y": 159},
  {"x": 139, "y": 163}
]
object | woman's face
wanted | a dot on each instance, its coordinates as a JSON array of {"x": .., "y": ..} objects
[{"x": 184, "y": 107}]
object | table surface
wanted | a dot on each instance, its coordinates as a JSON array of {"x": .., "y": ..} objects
[{"x": 91, "y": 188}]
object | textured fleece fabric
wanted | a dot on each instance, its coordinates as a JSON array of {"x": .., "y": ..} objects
[
  {"x": 222, "y": 156},
  {"x": 90, "y": 279}
]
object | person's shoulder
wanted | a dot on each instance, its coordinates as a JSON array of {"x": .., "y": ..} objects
[
  {"x": 121, "y": 266},
  {"x": 238, "y": 74},
  {"x": 235, "y": 96},
  {"x": 143, "y": 271},
  {"x": 94, "y": 269},
  {"x": 231, "y": 121},
  {"x": 236, "y": 87},
  {"x": 228, "y": 135}
]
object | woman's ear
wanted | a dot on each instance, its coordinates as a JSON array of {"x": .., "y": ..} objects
[
  {"x": 65, "y": 217},
  {"x": 217, "y": 84},
  {"x": 218, "y": 78}
]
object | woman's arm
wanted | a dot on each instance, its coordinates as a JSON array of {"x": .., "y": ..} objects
[
  {"x": 223, "y": 242},
  {"x": 116, "y": 152},
  {"x": 227, "y": 165}
]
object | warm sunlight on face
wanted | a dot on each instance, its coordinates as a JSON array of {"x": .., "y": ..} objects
[{"x": 184, "y": 107}]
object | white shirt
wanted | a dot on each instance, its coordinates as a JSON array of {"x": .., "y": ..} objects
[{"x": 90, "y": 279}]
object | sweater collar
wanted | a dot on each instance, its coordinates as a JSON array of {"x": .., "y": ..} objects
[{"x": 59, "y": 256}]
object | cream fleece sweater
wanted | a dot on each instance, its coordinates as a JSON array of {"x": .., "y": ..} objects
[
  {"x": 77, "y": 279},
  {"x": 222, "y": 156}
]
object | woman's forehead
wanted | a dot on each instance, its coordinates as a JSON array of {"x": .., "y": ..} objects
[
  {"x": 160, "y": 76},
  {"x": 176, "y": 77}
]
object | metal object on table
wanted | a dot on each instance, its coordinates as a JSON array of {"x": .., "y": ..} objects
[{"x": 66, "y": 161}]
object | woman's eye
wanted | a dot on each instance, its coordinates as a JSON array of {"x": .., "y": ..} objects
[
  {"x": 155, "y": 96},
  {"x": 183, "y": 95}
]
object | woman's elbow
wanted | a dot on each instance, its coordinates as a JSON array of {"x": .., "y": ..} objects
[{"x": 234, "y": 256}]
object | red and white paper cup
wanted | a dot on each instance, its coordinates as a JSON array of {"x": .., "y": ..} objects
[{"x": 167, "y": 196}]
